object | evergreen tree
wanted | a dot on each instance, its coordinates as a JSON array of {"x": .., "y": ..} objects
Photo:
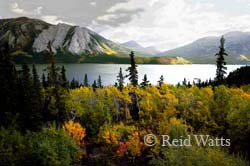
[
  {"x": 53, "y": 71},
  {"x": 44, "y": 82},
  {"x": 74, "y": 84},
  {"x": 36, "y": 101},
  {"x": 221, "y": 69},
  {"x": 161, "y": 81},
  {"x": 25, "y": 98},
  {"x": 55, "y": 98},
  {"x": 94, "y": 85},
  {"x": 25, "y": 77},
  {"x": 63, "y": 79},
  {"x": 35, "y": 78},
  {"x": 120, "y": 79},
  {"x": 8, "y": 88},
  {"x": 60, "y": 104},
  {"x": 184, "y": 82},
  {"x": 145, "y": 81},
  {"x": 199, "y": 83},
  {"x": 53, "y": 76},
  {"x": 86, "y": 81},
  {"x": 133, "y": 73},
  {"x": 99, "y": 82}
]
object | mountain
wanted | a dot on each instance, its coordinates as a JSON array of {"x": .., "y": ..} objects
[
  {"x": 34, "y": 35},
  {"x": 21, "y": 32},
  {"x": 203, "y": 50},
  {"x": 70, "y": 43},
  {"x": 28, "y": 40},
  {"x": 137, "y": 47}
]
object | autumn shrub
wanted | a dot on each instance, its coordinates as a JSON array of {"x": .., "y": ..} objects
[
  {"x": 125, "y": 139},
  {"x": 76, "y": 131}
]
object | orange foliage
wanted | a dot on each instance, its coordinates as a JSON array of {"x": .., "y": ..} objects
[{"x": 75, "y": 130}]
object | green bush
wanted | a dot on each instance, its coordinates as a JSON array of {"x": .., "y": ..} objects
[
  {"x": 197, "y": 156},
  {"x": 12, "y": 147},
  {"x": 50, "y": 147}
]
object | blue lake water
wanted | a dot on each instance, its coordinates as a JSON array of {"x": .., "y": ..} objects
[{"x": 108, "y": 72}]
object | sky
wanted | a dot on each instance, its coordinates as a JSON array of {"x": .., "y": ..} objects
[{"x": 164, "y": 24}]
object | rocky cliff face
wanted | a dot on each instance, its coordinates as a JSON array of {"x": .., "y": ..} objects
[{"x": 76, "y": 40}]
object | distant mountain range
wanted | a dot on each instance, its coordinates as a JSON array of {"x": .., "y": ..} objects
[
  {"x": 74, "y": 44},
  {"x": 71, "y": 44},
  {"x": 151, "y": 51},
  {"x": 203, "y": 50},
  {"x": 33, "y": 35}
]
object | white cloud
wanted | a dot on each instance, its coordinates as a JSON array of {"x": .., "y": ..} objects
[
  {"x": 173, "y": 23},
  {"x": 54, "y": 20},
  {"x": 38, "y": 10},
  {"x": 14, "y": 7},
  {"x": 107, "y": 17},
  {"x": 93, "y": 3}
]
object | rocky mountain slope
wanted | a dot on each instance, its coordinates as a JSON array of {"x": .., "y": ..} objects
[
  {"x": 33, "y": 36},
  {"x": 21, "y": 32}
]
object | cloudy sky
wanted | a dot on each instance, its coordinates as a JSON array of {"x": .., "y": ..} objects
[{"x": 164, "y": 24}]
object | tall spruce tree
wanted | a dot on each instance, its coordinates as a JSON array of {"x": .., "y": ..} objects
[
  {"x": 99, "y": 82},
  {"x": 120, "y": 79},
  {"x": 37, "y": 99},
  {"x": 25, "y": 98},
  {"x": 94, "y": 85},
  {"x": 53, "y": 75},
  {"x": 63, "y": 79},
  {"x": 44, "y": 81},
  {"x": 55, "y": 98},
  {"x": 220, "y": 62},
  {"x": 35, "y": 78},
  {"x": 184, "y": 82},
  {"x": 145, "y": 81},
  {"x": 86, "y": 81},
  {"x": 161, "y": 81},
  {"x": 53, "y": 71},
  {"x": 133, "y": 73},
  {"x": 74, "y": 84}
]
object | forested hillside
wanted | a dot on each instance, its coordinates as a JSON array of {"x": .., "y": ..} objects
[{"x": 54, "y": 122}]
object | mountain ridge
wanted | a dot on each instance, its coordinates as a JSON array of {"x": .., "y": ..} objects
[
  {"x": 71, "y": 44},
  {"x": 204, "y": 49}
]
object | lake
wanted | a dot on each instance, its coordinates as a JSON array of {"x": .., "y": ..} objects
[{"x": 108, "y": 72}]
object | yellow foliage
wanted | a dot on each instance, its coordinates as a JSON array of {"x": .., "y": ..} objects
[
  {"x": 75, "y": 130},
  {"x": 134, "y": 144}
]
